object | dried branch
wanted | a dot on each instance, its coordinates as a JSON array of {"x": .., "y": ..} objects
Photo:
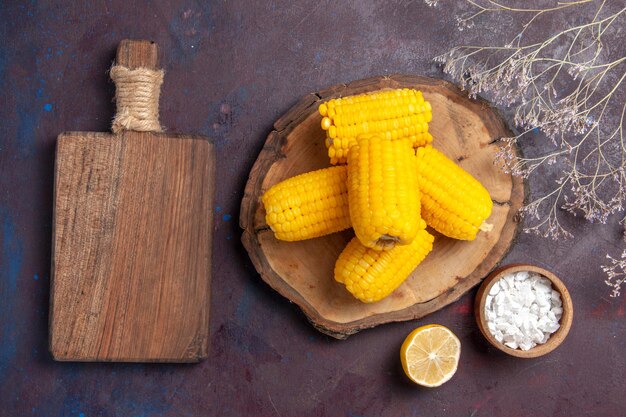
[
  {"x": 535, "y": 78},
  {"x": 616, "y": 272}
]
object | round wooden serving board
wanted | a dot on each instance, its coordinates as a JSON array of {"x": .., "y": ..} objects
[{"x": 465, "y": 130}]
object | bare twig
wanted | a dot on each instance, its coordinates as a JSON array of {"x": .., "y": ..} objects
[{"x": 531, "y": 76}]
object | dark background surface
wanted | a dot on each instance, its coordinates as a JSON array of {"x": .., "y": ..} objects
[{"x": 232, "y": 68}]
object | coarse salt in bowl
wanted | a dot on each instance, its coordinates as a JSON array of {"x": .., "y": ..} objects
[{"x": 524, "y": 310}]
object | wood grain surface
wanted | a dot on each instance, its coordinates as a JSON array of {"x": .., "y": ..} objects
[
  {"x": 463, "y": 129},
  {"x": 132, "y": 242}
]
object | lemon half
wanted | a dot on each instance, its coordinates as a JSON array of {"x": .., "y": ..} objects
[{"x": 430, "y": 355}]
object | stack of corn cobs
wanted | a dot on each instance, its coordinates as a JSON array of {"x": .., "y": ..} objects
[{"x": 388, "y": 184}]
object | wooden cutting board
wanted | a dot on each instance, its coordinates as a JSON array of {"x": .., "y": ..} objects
[
  {"x": 131, "y": 257},
  {"x": 465, "y": 130}
]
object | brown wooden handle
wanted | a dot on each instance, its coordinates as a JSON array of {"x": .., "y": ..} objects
[{"x": 138, "y": 53}]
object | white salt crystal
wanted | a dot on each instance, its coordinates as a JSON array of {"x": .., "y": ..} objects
[
  {"x": 508, "y": 337},
  {"x": 522, "y": 310},
  {"x": 500, "y": 298},
  {"x": 542, "y": 302},
  {"x": 526, "y": 345},
  {"x": 552, "y": 316},
  {"x": 521, "y": 276},
  {"x": 495, "y": 289},
  {"x": 533, "y": 279},
  {"x": 504, "y": 328},
  {"x": 499, "y": 309},
  {"x": 546, "y": 285},
  {"x": 509, "y": 279},
  {"x": 528, "y": 297},
  {"x": 512, "y": 344},
  {"x": 552, "y": 327}
]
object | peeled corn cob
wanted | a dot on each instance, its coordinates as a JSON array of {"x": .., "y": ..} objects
[
  {"x": 395, "y": 114},
  {"x": 383, "y": 193},
  {"x": 308, "y": 205},
  {"x": 371, "y": 275},
  {"x": 453, "y": 202}
]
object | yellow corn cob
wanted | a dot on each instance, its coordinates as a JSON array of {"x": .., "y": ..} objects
[
  {"x": 382, "y": 192},
  {"x": 395, "y": 114},
  {"x": 453, "y": 202},
  {"x": 371, "y": 275},
  {"x": 308, "y": 205}
]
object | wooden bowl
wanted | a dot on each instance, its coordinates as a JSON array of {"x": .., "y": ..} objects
[{"x": 555, "y": 339}]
